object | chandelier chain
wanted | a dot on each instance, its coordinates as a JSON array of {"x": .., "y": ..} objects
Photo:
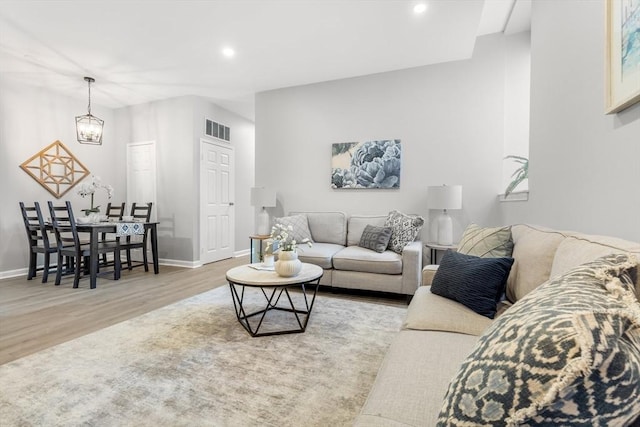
[{"x": 89, "y": 106}]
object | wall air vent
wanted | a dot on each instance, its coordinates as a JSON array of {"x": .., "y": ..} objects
[{"x": 217, "y": 130}]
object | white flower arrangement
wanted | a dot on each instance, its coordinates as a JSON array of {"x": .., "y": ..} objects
[
  {"x": 281, "y": 241},
  {"x": 88, "y": 188}
]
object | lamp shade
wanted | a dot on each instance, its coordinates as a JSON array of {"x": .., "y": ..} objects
[
  {"x": 444, "y": 197},
  {"x": 263, "y": 197}
]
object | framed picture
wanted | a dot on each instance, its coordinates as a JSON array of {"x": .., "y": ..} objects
[
  {"x": 371, "y": 164},
  {"x": 622, "y": 51}
]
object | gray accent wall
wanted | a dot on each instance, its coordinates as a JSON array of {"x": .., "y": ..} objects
[
  {"x": 449, "y": 117},
  {"x": 584, "y": 165}
]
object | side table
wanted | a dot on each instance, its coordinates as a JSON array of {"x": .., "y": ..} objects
[
  {"x": 434, "y": 248},
  {"x": 257, "y": 256}
]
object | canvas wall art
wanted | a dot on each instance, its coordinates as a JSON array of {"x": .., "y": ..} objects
[
  {"x": 369, "y": 165},
  {"x": 622, "y": 23}
]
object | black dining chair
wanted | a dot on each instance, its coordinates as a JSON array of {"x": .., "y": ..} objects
[
  {"x": 69, "y": 244},
  {"x": 114, "y": 212},
  {"x": 140, "y": 213},
  {"x": 38, "y": 238}
]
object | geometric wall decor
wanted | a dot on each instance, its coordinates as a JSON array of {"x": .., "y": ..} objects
[
  {"x": 55, "y": 168},
  {"x": 366, "y": 165}
]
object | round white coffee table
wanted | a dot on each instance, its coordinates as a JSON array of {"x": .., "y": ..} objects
[{"x": 273, "y": 287}]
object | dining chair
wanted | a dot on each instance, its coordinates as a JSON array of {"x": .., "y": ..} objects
[
  {"x": 38, "y": 240},
  {"x": 114, "y": 212},
  {"x": 69, "y": 244},
  {"x": 140, "y": 213}
]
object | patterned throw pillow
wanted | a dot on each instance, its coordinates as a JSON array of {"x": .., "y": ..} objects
[
  {"x": 567, "y": 353},
  {"x": 404, "y": 229},
  {"x": 300, "y": 226},
  {"x": 486, "y": 242},
  {"x": 375, "y": 238},
  {"x": 474, "y": 282}
]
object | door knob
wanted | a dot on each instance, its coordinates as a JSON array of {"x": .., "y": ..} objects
[{"x": 231, "y": 203}]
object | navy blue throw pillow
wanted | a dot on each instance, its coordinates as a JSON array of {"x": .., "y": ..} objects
[{"x": 477, "y": 283}]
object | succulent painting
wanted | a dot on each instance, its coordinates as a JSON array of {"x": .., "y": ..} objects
[{"x": 373, "y": 164}]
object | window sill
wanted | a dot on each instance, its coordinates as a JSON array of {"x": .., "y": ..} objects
[{"x": 516, "y": 196}]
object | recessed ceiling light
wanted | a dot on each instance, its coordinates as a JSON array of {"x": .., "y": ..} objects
[
  {"x": 228, "y": 52},
  {"x": 419, "y": 8}
]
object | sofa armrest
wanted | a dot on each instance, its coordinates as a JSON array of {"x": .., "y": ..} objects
[
  {"x": 428, "y": 272},
  {"x": 411, "y": 267}
]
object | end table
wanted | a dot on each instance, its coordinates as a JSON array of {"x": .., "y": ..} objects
[
  {"x": 434, "y": 248},
  {"x": 257, "y": 255}
]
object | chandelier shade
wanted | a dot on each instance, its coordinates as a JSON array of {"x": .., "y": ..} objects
[{"x": 89, "y": 127}]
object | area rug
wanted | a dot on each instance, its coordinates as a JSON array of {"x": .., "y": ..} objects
[{"x": 192, "y": 364}]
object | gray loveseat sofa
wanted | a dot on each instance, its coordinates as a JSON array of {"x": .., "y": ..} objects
[
  {"x": 346, "y": 265},
  {"x": 439, "y": 334}
]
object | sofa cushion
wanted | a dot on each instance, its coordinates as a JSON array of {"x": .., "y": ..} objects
[
  {"x": 486, "y": 242},
  {"x": 413, "y": 378},
  {"x": 566, "y": 354},
  {"x": 430, "y": 312},
  {"x": 578, "y": 249},
  {"x": 533, "y": 251},
  {"x": 475, "y": 282},
  {"x": 355, "y": 258},
  {"x": 357, "y": 223},
  {"x": 299, "y": 227},
  {"x": 405, "y": 229},
  {"x": 320, "y": 254},
  {"x": 327, "y": 227},
  {"x": 375, "y": 238}
]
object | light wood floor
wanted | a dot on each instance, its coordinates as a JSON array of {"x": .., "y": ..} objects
[{"x": 35, "y": 316}]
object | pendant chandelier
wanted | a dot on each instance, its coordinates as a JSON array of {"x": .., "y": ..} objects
[{"x": 88, "y": 127}]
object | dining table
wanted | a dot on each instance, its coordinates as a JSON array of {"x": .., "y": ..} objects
[{"x": 96, "y": 229}]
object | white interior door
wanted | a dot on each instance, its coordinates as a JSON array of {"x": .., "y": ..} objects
[
  {"x": 216, "y": 202},
  {"x": 141, "y": 175}
]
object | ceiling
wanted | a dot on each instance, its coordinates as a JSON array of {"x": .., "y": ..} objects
[{"x": 144, "y": 50}]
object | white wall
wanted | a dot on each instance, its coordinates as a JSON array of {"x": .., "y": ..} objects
[
  {"x": 449, "y": 117},
  {"x": 177, "y": 125},
  {"x": 169, "y": 123},
  {"x": 585, "y": 165},
  {"x": 243, "y": 143},
  {"x": 516, "y": 104},
  {"x": 30, "y": 119}
]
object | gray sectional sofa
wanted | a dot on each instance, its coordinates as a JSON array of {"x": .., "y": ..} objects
[
  {"x": 346, "y": 265},
  {"x": 439, "y": 334}
]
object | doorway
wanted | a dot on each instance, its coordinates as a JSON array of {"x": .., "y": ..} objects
[
  {"x": 141, "y": 174},
  {"x": 217, "y": 214}
]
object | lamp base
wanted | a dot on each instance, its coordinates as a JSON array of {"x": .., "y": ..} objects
[
  {"x": 263, "y": 223},
  {"x": 445, "y": 229}
]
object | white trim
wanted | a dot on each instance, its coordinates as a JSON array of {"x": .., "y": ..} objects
[
  {"x": 179, "y": 263},
  {"x": 244, "y": 252},
  {"x": 516, "y": 196},
  {"x": 15, "y": 273}
]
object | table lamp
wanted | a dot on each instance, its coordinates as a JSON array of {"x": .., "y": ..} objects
[
  {"x": 265, "y": 198},
  {"x": 445, "y": 197}
]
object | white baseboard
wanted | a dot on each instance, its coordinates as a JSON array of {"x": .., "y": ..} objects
[
  {"x": 170, "y": 262},
  {"x": 243, "y": 252},
  {"x": 180, "y": 263},
  {"x": 15, "y": 273}
]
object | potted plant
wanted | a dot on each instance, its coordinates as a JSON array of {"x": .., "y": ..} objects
[
  {"x": 518, "y": 175},
  {"x": 288, "y": 264}
]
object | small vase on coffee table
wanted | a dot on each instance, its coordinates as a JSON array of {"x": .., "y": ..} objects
[{"x": 288, "y": 264}]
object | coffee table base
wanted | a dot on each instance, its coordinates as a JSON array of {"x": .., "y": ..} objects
[{"x": 301, "y": 315}]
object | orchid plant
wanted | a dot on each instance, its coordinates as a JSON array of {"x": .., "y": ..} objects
[
  {"x": 280, "y": 239},
  {"x": 88, "y": 188}
]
